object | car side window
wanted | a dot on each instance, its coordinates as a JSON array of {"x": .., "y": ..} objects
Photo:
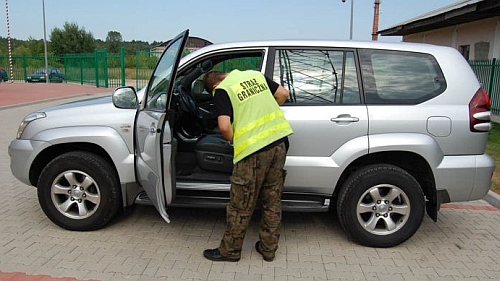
[
  {"x": 317, "y": 77},
  {"x": 396, "y": 77}
]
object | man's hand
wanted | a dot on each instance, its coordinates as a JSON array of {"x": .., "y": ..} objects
[{"x": 281, "y": 95}]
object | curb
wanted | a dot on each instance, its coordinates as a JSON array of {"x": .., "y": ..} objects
[{"x": 493, "y": 199}]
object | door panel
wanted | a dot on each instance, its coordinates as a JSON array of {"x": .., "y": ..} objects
[
  {"x": 329, "y": 121},
  {"x": 154, "y": 147}
]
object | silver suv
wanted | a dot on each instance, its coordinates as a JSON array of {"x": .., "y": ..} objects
[{"x": 383, "y": 132}]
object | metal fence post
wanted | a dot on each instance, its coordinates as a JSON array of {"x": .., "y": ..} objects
[
  {"x": 105, "y": 66},
  {"x": 492, "y": 75},
  {"x": 96, "y": 68},
  {"x": 25, "y": 72},
  {"x": 122, "y": 63}
]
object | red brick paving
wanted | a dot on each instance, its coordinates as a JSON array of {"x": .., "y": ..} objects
[
  {"x": 19, "y": 93},
  {"x": 470, "y": 207},
  {"x": 19, "y": 276}
]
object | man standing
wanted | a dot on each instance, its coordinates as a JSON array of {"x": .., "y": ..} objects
[{"x": 246, "y": 104}]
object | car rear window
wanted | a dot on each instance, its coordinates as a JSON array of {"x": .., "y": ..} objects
[{"x": 397, "y": 77}]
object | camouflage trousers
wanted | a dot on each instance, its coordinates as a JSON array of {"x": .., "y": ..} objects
[{"x": 258, "y": 176}]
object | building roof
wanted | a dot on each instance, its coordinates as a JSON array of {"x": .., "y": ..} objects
[
  {"x": 458, "y": 13},
  {"x": 202, "y": 42}
]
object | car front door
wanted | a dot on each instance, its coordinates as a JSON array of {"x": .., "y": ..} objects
[{"x": 153, "y": 138}]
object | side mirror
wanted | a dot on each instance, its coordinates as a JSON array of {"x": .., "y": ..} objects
[{"x": 125, "y": 97}]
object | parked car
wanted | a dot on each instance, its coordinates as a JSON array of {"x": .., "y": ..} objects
[
  {"x": 383, "y": 132},
  {"x": 40, "y": 74},
  {"x": 3, "y": 75}
]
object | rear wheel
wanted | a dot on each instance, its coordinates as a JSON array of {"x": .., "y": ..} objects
[
  {"x": 380, "y": 206},
  {"x": 79, "y": 191}
]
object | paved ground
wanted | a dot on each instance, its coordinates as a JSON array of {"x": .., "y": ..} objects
[
  {"x": 463, "y": 245},
  {"x": 21, "y": 93}
]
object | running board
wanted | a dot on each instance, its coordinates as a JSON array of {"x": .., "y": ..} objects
[{"x": 309, "y": 204}]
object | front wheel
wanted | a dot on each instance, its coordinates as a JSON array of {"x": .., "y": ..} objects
[
  {"x": 380, "y": 206},
  {"x": 79, "y": 191}
]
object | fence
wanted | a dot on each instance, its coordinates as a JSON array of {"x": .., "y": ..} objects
[
  {"x": 488, "y": 73},
  {"x": 103, "y": 69}
]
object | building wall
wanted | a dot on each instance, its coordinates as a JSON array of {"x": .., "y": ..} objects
[{"x": 476, "y": 35}]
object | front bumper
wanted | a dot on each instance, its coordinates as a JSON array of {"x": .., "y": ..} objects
[{"x": 22, "y": 154}]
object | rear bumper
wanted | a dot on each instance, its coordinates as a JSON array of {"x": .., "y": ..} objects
[{"x": 464, "y": 178}]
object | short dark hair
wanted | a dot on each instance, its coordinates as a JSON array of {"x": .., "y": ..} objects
[{"x": 211, "y": 79}]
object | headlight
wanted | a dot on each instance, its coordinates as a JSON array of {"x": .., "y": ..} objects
[{"x": 28, "y": 119}]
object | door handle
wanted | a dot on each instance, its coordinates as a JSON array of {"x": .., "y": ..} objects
[
  {"x": 344, "y": 118},
  {"x": 153, "y": 129}
]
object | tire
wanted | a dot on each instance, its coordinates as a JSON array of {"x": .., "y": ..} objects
[
  {"x": 380, "y": 206},
  {"x": 79, "y": 191}
]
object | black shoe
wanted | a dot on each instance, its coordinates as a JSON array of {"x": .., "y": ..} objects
[
  {"x": 215, "y": 255},
  {"x": 257, "y": 247}
]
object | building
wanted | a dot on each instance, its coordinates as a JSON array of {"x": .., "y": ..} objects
[
  {"x": 193, "y": 43},
  {"x": 470, "y": 26}
]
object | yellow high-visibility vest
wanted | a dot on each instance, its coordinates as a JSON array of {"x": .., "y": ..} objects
[{"x": 257, "y": 118}]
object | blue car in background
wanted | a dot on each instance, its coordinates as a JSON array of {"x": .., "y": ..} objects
[
  {"x": 39, "y": 75},
  {"x": 3, "y": 75}
]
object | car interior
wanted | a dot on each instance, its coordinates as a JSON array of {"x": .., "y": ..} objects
[{"x": 202, "y": 153}]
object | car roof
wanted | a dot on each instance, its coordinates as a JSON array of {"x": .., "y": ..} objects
[{"x": 403, "y": 46}]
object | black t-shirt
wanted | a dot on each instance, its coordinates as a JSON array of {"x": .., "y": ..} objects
[{"x": 222, "y": 103}]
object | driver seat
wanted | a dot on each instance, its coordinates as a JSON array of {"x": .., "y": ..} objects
[{"x": 213, "y": 153}]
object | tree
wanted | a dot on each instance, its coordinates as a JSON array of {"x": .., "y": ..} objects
[
  {"x": 35, "y": 46},
  {"x": 71, "y": 39},
  {"x": 114, "y": 41}
]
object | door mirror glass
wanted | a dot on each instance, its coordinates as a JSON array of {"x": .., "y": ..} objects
[{"x": 125, "y": 97}]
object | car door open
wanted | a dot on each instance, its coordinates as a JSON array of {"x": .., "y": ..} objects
[{"x": 154, "y": 143}]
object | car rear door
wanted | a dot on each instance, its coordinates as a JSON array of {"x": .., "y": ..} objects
[
  {"x": 153, "y": 138},
  {"x": 326, "y": 112}
]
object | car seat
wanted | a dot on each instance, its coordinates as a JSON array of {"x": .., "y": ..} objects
[{"x": 213, "y": 153}]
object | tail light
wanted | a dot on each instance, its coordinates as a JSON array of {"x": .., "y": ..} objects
[{"x": 479, "y": 112}]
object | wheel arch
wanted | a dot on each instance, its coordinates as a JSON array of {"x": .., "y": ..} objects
[
  {"x": 45, "y": 156},
  {"x": 414, "y": 164}
]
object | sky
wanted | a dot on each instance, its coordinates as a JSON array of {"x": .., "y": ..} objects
[{"x": 216, "y": 20}]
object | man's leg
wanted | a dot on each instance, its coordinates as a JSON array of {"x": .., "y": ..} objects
[
  {"x": 270, "y": 193},
  {"x": 243, "y": 197}
]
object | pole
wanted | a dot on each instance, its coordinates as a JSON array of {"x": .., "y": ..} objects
[
  {"x": 8, "y": 41},
  {"x": 352, "y": 12},
  {"x": 45, "y": 44}
]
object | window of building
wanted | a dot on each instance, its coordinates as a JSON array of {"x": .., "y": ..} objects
[{"x": 464, "y": 50}]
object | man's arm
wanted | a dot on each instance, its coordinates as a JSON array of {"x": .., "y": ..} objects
[
  {"x": 225, "y": 127},
  {"x": 281, "y": 95}
]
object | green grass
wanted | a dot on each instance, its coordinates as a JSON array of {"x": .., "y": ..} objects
[{"x": 493, "y": 149}]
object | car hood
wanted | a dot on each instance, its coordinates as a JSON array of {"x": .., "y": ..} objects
[
  {"x": 98, "y": 111},
  {"x": 91, "y": 102}
]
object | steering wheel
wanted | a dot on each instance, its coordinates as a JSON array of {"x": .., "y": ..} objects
[{"x": 187, "y": 102}]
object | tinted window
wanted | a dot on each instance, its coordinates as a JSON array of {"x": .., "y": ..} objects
[
  {"x": 317, "y": 77},
  {"x": 393, "y": 77}
]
